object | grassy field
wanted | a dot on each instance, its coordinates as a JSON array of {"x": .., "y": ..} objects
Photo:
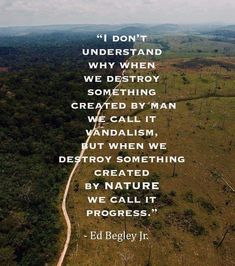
[{"x": 195, "y": 204}]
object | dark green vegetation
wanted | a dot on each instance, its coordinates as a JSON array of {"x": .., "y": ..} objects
[
  {"x": 197, "y": 63},
  {"x": 37, "y": 125}
]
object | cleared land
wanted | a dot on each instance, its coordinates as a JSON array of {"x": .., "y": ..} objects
[{"x": 196, "y": 205}]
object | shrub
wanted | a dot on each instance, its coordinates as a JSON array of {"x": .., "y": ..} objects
[
  {"x": 196, "y": 229},
  {"x": 172, "y": 193},
  {"x": 189, "y": 213},
  {"x": 156, "y": 225},
  {"x": 206, "y": 205},
  {"x": 123, "y": 153},
  {"x": 188, "y": 196}
]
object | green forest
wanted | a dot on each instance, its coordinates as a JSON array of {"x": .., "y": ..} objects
[{"x": 40, "y": 76}]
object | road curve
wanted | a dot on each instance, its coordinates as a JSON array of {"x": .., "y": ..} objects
[{"x": 76, "y": 167}]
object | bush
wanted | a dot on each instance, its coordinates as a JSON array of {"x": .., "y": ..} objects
[
  {"x": 188, "y": 196},
  {"x": 172, "y": 193},
  {"x": 189, "y": 213},
  {"x": 206, "y": 205},
  {"x": 123, "y": 153},
  {"x": 156, "y": 225},
  {"x": 196, "y": 229}
]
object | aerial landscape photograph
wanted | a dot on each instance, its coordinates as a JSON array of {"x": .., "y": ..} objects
[{"x": 117, "y": 133}]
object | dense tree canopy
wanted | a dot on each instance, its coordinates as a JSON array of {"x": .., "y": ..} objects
[{"x": 37, "y": 125}]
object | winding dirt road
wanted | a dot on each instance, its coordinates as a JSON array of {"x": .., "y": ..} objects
[{"x": 75, "y": 168}]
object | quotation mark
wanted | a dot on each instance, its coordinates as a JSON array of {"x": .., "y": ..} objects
[
  {"x": 102, "y": 36},
  {"x": 153, "y": 211}
]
